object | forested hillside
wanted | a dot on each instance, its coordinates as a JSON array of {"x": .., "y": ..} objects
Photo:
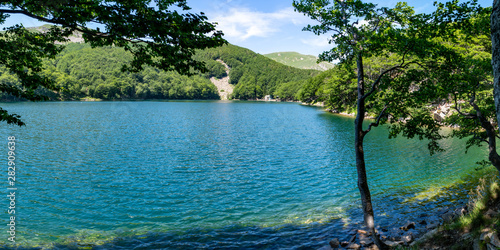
[
  {"x": 253, "y": 75},
  {"x": 81, "y": 72}
]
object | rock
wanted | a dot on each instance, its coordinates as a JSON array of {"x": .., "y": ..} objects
[
  {"x": 409, "y": 225},
  {"x": 491, "y": 213},
  {"x": 365, "y": 240},
  {"x": 485, "y": 236},
  {"x": 391, "y": 243},
  {"x": 353, "y": 246},
  {"x": 432, "y": 225},
  {"x": 335, "y": 243},
  {"x": 448, "y": 217},
  {"x": 353, "y": 238},
  {"x": 476, "y": 245},
  {"x": 407, "y": 238},
  {"x": 494, "y": 240},
  {"x": 344, "y": 243},
  {"x": 425, "y": 237},
  {"x": 466, "y": 237},
  {"x": 363, "y": 232},
  {"x": 422, "y": 222},
  {"x": 438, "y": 116},
  {"x": 462, "y": 211}
]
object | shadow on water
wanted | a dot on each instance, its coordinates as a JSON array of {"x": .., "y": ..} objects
[{"x": 393, "y": 210}]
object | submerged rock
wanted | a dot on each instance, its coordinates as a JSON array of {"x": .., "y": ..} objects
[
  {"x": 326, "y": 248},
  {"x": 335, "y": 243},
  {"x": 432, "y": 225},
  {"x": 409, "y": 225}
]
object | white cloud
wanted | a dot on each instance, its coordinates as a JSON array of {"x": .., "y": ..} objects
[
  {"x": 241, "y": 24},
  {"x": 317, "y": 41}
]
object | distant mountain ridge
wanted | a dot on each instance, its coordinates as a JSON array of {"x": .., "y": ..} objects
[
  {"x": 297, "y": 60},
  {"x": 81, "y": 72}
]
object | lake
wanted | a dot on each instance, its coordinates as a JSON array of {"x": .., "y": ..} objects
[{"x": 211, "y": 174}]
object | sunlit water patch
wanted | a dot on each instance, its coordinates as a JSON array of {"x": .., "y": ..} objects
[{"x": 210, "y": 174}]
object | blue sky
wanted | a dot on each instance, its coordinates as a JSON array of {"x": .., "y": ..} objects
[{"x": 264, "y": 26}]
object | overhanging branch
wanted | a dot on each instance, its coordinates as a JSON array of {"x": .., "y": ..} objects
[
  {"x": 377, "y": 121},
  {"x": 377, "y": 82},
  {"x": 74, "y": 27}
]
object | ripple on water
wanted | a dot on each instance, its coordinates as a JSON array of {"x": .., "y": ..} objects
[{"x": 211, "y": 174}]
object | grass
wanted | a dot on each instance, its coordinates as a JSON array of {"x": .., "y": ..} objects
[
  {"x": 461, "y": 233},
  {"x": 485, "y": 195}
]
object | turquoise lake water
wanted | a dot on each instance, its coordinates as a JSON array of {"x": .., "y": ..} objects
[{"x": 179, "y": 175}]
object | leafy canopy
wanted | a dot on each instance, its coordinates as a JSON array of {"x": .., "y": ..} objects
[{"x": 159, "y": 33}]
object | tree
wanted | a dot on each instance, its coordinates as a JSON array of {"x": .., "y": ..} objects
[
  {"x": 156, "y": 36},
  {"x": 362, "y": 31},
  {"x": 465, "y": 82},
  {"x": 495, "y": 61}
]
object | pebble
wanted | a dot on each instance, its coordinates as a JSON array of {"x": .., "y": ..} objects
[
  {"x": 409, "y": 225},
  {"x": 353, "y": 246},
  {"x": 335, "y": 243},
  {"x": 391, "y": 243}
]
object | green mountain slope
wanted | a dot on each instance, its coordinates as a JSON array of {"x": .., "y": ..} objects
[
  {"x": 82, "y": 72},
  {"x": 298, "y": 60},
  {"x": 253, "y": 75}
]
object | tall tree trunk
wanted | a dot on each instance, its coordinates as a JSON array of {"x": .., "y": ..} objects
[
  {"x": 495, "y": 61},
  {"x": 490, "y": 132},
  {"x": 364, "y": 191}
]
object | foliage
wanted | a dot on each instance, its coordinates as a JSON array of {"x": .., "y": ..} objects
[
  {"x": 464, "y": 82},
  {"x": 487, "y": 192},
  {"x": 80, "y": 71},
  {"x": 335, "y": 87},
  {"x": 289, "y": 91},
  {"x": 156, "y": 36},
  {"x": 402, "y": 42}
]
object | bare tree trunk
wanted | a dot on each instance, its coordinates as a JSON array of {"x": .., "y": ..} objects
[
  {"x": 364, "y": 191},
  {"x": 495, "y": 61},
  {"x": 490, "y": 132}
]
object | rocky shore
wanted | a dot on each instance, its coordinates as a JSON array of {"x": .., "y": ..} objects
[{"x": 406, "y": 235}]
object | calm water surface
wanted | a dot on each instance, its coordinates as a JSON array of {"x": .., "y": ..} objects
[{"x": 155, "y": 175}]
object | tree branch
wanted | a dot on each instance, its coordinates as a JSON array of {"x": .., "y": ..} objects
[
  {"x": 78, "y": 28},
  {"x": 377, "y": 122},
  {"x": 475, "y": 136},
  {"x": 375, "y": 84},
  {"x": 466, "y": 115}
]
